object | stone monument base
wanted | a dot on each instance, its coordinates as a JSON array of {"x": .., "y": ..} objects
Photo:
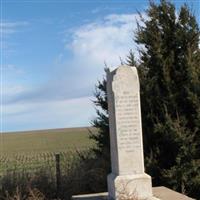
[
  {"x": 161, "y": 193},
  {"x": 136, "y": 186}
]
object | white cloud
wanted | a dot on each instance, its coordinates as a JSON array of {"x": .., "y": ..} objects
[
  {"x": 92, "y": 44},
  {"x": 106, "y": 40},
  {"x": 12, "y": 69},
  {"x": 12, "y": 90},
  {"x": 61, "y": 113},
  {"x": 123, "y": 18},
  {"x": 65, "y": 99},
  {"x": 10, "y": 80},
  {"x": 8, "y": 27}
]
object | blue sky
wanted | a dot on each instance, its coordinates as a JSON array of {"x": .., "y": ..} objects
[{"x": 53, "y": 53}]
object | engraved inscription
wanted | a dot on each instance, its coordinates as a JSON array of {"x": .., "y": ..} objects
[{"x": 127, "y": 112}]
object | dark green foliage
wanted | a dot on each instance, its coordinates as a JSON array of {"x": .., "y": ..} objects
[
  {"x": 102, "y": 149},
  {"x": 169, "y": 70},
  {"x": 101, "y": 122},
  {"x": 131, "y": 59},
  {"x": 170, "y": 94}
]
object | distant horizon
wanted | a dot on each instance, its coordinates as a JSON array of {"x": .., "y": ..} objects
[
  {"x": 47, "y": 129},
  {"x": 53, "y": 54}
]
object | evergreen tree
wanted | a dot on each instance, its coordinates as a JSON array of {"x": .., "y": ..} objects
[
  {"x": 101, "y": 138},
  {"x": 101, "y": 122},
  {"x": 169, "y": 71},
  {"x": 170, "y": 95}
]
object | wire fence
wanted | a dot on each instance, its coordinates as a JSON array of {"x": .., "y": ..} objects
[{"x": 55, "y": 170}]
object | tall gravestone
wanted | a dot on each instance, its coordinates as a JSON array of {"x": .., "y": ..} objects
[{"x": 127, "y": 159}]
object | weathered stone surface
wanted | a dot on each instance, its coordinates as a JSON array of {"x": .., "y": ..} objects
[
  {"x": 138, "y": 185},
  {"x": 168, "y": 194},
  {"x": 125, "y": 121},
  {"x": 126, "y": 134},
  {"x": 162, "y": 193}
]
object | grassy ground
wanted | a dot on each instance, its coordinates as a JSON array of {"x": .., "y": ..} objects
[
  {"x": 33, "y": 148},
  {"x": 52, "y": 140}
]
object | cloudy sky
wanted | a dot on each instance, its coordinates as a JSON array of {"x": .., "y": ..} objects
[{"x": 53, "y": 53}]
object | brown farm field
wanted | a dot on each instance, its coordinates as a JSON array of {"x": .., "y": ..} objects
[{"x": 34, "y": 148}]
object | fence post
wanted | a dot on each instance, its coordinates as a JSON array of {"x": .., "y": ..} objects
[{"x": 58, "y": 174}]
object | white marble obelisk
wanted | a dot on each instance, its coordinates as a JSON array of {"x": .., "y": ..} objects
[{"x": 126, "y": 135}]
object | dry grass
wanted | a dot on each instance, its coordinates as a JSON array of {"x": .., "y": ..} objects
[
  {"x": 33, "y": 194},
  {"x": 36, "y": 148},
  {"x": 81, "y": 175},
  {"x": 53, "y": 140}
]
